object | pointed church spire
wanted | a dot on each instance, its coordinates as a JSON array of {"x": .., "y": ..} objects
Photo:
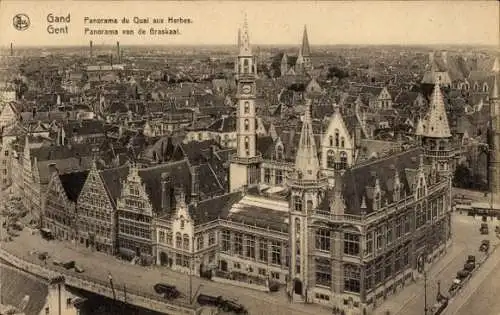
[
  {"x": 494, "y": 89},
  {"x": 305, "y": 51},
  {"x": 239, "y": 37},
  {"x": 306, "y": 161},
  {"x": 437, "y": 125},
  {"x": 245, "y": 49}
]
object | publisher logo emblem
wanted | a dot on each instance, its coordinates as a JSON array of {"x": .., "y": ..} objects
[{"x": 21, "y": 21}]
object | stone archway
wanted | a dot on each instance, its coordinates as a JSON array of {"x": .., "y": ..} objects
[
  {"x": 297, "y": 286},
  {"x": 163, "y": 259}
]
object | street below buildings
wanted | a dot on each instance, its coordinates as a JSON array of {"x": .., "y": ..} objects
[{"x": 466, "y": 241}]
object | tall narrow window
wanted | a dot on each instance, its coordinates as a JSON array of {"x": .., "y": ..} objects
[
  {"x": 343, "y": 160},
  {"x": 247, "y": 125},
  {"x": 342, "y": 142},
  {"x": 246, "y": 108},
  {"x": 330, "y": 159},
  {"x": 331, "y": 140},
  {"x": 337, "y": 138},
  {"x": 297, "y": 203}
]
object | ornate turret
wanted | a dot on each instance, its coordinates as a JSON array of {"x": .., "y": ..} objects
[
  {"x": 306, "y": 161},
  {"x": 436, "y": 135},
  {"x": 307, "y": 184}
]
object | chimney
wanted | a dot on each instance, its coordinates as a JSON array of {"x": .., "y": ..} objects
[
  {"x": 166, "y": 196},
  {"x": 11, "y": 50},
  {"x": 118, "y": 52},
  {"x": 91, "y": 49},
  {"x": 195, "y": 184}
]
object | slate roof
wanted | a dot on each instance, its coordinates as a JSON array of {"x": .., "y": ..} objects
[
  {"x": 261, "y": 217},
  {"x": 358, "y": 182},
  {"x": 63, "y": 166},
  {"x": 211, "y": 209},
  {"x": 179, "y": 173},
  {"x": 112, "y": 179},
  {"x": 226, "y": 124},
  {"x": 73, "y": 183}
]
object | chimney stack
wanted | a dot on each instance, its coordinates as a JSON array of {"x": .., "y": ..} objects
[
  {"x": 91, "y": 52},
  {"x": 118, "y": 52},
  {"x": 195, "y": 184},
  {"x": 166, "y": 195}
]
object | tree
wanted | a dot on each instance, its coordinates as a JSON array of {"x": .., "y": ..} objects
[{"x": 462, "y": 177}]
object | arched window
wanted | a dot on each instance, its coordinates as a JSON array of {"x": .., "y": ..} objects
[
  {"x": 485, "y": 87},
  {"x": 297, "y": 203},
  {"x": 246, "y": 108},
  {"x": 343, "y": 160},
  {"x": 185, "y": 241},
  {"x": 247, "y": 143},
  {"x": 376, "y": 201},
  {"x": 246, "y": 66},
  {"x": 342, "y": 142},
  {"x": 247, "y": 125},
  {"x": 178, "y": 240},
  {"x": 309, "y": 205},
  {"x": 337, "y": 136},
  {"x": 330, "y": 159},
  {"x": 331, "y": 140},
  {"x": 279, "y": 152}
]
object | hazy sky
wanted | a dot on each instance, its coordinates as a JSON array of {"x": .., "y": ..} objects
[{"x": 216, "y": 22}]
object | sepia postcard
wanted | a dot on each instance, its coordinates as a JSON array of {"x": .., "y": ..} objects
[{"x": 249, "y": 157}]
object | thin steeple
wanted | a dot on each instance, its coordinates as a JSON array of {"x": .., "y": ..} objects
[
  {"x": 494, "y": 89},
  {"x": 436, "y": 125},
  {"x": 239, "y": 37},
  {"x": 306, "y": 161},
  {"x": 245, "y": 49},
  {"x": 306, "y": 50}
]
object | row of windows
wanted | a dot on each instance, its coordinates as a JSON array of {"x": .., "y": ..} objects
[
  {"x": 245, "y": 245},
  {"x": 387, "y": 266},
  {"x": 94, "y": 212},
  {"x": 97, "y": 229},
  {"x": 394, "y": 230},
  {"x": 339, "y": 141},
  {"x": 142, "y": 231},
  {"x": 278, "y": 175},
  {"x": 351, "y": 242}
]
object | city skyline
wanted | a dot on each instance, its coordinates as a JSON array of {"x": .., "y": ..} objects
[{"x": 216, "y": 23}]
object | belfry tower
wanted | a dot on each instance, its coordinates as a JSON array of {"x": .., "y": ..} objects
[
  {"x": 436, "y": 135},
  {"x": 307, "y": 185},
  {"x": 244, "y": 169}
]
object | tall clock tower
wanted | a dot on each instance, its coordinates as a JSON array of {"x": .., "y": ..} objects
[{"x": 244, "y": 169}]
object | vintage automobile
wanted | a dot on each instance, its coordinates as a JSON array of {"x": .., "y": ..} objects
[
  {"x": 209, "y": 300},
  {"x": 168, "y": 291}
]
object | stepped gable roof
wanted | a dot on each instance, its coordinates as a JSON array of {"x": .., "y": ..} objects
[
  {"x": 73, "y": 183},
  {"x": 16, "y": 285},
  {"x": 113, "y": 179},
  {"x": 179, "y": 173},
  {"x": 213, "y": 208},
  {"x": 358, "y": 182}
]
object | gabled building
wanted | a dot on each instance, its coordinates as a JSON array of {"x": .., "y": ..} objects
[
  {"x": 59, "y": 206},
  {"x": 96, "y": 222},
  {"x": 301, "y": 64}
]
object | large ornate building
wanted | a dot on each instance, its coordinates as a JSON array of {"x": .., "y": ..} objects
[{"x": 300, "y": 211}]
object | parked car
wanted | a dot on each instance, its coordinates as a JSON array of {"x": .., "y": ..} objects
[
  {"x": 69, "y": 264},
  {"x": 169, "y": 291},
  {"x": 471, "y": 259},
  {"x": 79, "y": 269},
  {"x": 274, "y": 286},
  {"x": 463, "y": 274},
  {"x": 43, "y": 256},
  {"x": 438, "y": 308},
  {"x": 455, "y": 286},
  {"x": 485, "y": 246},
  {"x": 231, "y": 306},
  {"x": 484, "y": 229},
  {"x": 57, "y": 263},
  {"x": 469, "y": 266},
  {"x": 216, "y": 301}
]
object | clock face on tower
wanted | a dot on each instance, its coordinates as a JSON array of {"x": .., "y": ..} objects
[{"x": 246, "y": 89}]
